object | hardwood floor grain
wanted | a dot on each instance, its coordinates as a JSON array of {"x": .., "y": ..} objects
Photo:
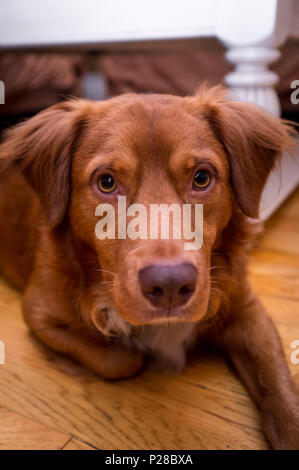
[
  {"x": 75, "y": 444},
  {"x": 19, "y": 433}
]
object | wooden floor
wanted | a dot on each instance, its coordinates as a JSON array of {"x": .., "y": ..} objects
[{"x": 47, "y": 402}]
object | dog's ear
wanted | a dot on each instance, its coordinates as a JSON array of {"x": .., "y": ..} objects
[
  {"x": 252, "y": 139},
  {"x": 41, "y": 148}
]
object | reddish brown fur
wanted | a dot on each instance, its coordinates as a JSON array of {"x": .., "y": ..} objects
[{"x": 153, "y": 144}]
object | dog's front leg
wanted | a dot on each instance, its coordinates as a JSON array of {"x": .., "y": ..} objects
[
  {"x": 252, "y": 343},
  {"x": 106, "y": 358},
  {"x": 109, "y": 360}
]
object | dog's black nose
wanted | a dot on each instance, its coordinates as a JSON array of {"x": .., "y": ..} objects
[{"x": 168, "y": 286}]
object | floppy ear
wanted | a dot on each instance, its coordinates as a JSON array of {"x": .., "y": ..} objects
[
  {"x": 41, "y": 148},
  {"x": 252, "y": 140}
]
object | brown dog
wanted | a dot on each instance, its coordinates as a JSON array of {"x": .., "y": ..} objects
[{"x": 106, "y": 302}]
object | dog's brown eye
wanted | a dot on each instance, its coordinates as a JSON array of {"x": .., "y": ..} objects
[
  {"x": 106, "y": 183},
  {"x": 202, "y": 179}
]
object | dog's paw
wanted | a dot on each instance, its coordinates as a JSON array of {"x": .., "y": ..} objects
[
  {"x": 121, "y": 364},
  {"x": 282, "y": 430},
  {"x": 286, "y": 439}
]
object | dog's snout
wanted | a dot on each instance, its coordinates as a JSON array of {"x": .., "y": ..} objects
[{"x": 168, "y": 286}]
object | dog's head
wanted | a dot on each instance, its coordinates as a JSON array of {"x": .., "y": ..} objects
[{"x": 153, "y": 149}]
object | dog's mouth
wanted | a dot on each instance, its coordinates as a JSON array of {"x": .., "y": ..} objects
[
  {"x": 149, "y": 312},
  {"x": 168, "y": 315},
  {"x": 113, "y": 324}
]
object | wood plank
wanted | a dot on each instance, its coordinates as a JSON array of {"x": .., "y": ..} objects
[
  {"x": 19, "y": 433},
  {"x": 275, "y": 273},
  {"x": 76, "y": 444},
  {"x": 112, "y": 415},
  {"x": 282, "y": 229}
]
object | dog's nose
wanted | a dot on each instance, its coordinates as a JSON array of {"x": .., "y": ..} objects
[{"x": 168, "y": 286}]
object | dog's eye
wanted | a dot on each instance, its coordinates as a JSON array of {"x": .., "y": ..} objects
[
  {"x": 106, "y": 183},
  {"x": 202, "y": 179}
]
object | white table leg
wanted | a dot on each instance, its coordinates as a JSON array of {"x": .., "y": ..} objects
[
  {"x": 252, "y": 30},
  {"x": 252, "y": 80}
]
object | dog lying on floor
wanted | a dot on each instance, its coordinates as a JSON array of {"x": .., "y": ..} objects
[{"x": 109, "y": 303}]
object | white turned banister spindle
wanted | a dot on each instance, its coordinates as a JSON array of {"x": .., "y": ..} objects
[{"x": 252, "y": 80}]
